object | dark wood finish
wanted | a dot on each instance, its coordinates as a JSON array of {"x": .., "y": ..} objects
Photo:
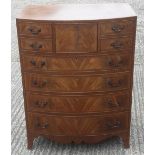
[
  {"x": 77, "y": 71},
  {"x": 77, "y": 63},
  {"x": 36, "y": 45},
  {"x": 35, "y": 29},
  {"x": 116, "y": 28},
  {"x": 34, "y": 63},
  {"x": 84, "y": 83},
  {"x": 75, "y": 104},
  {"x": 76, "y": 38},
  {"x": 77, "y": 125},
  {"x": 84, "y": 139},
  {"x": 115, "y": 44}
]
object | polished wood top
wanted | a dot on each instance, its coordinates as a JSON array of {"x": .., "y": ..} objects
[{"x": 71, "y": 12}]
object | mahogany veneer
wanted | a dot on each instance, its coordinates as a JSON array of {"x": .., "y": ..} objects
[{"x": 77, "y": 71}]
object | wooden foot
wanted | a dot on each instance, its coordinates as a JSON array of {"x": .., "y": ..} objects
[
  {"x": 126, "y": 140},
  {"x": 30, "y": 139}
]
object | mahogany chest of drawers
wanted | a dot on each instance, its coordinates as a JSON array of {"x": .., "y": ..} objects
[{"x": 77, "y": 71}]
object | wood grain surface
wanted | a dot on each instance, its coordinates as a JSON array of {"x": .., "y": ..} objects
[{"x": 50, "y": 54}]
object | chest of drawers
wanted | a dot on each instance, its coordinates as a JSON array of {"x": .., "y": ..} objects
[{"x": 77, "y": 71}]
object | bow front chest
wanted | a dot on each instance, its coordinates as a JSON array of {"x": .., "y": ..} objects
[{"x": 77, "y": 71}]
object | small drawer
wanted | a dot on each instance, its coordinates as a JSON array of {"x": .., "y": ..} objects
[
  {"x": 77, "y": 63},
  {"x": 36, "y": 45},
  {"x": 115, "y": 44},
  {"x": 83, "y": 83},
  {"x": 35, "y": 29},
  {"x": 77, "y": 125},
  {"x": 116, "y": 27},
  {"x": 77, "y": 103}
]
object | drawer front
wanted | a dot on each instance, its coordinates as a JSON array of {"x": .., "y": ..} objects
[
  {"x": 38, "y": 82},
  {"x": 34, "y": 29},
  {"x": 107, "y": 62},
  {"x": 36, "y": 45},
  {"x": 81, "y": 63},
  {"x": 115, "y": 44},
  {"x": 76, "y": 38},
  {"x": 77, "y": 104},
  {"x": 116, "y": 27},
  {"x": 77, "y": 125}
]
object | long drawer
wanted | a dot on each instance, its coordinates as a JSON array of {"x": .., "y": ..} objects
[
  {"x": 82, "y": 83},
  {"x": 77, "y": 103},
  {"x": 77, "y": 125},
  {"x": 77, "y": 63}
]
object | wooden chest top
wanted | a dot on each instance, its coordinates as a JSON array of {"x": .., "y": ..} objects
[{"x": 67, "y": 12}]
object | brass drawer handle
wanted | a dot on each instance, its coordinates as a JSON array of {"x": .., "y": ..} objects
[
  {"x": 75, "y": 58},
  {"x": 111, "y": 125},
  {"x": 41, "y": 104},
  {"x": 42, "y": 126},
  {"x": 111, "y": 104},
  {"x": 34, "y": 30},
  {"x": 33, "y": 62},
  {"x": 39, "y": 65},
  {"x": 42, "y": 63},
  {"x": 115, "y": 65},
  {"x": 36, "y": 46},
  {"x": 40, "y": 84},
  {"x": 117, "y": 28},
  {"x": 117, "y": 45},
  {"x": 114, "y": 84}
]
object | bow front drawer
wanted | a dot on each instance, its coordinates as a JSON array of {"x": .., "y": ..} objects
[
  {"x": 35, "y": 29},
  {"x": 36, "y": 45},
  {"x": 116, "y": 27},
  {"x": 77, "y": 63},
  {"x": 76, "y": 104},
  {"x": 77, "y": 125},
  {"x": 83, "y": 83}
]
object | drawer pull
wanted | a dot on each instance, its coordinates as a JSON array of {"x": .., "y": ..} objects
[
  {"x": 112, "y": 125},
  {"x": 118, "y": 64},
  {"x": 112, "y": 104},
  {"x": 42, "y": 126},
  {"x": 41, "y": 104},
  {"x": 75, "y": 58},
  {"x": 40, "y": 84},
  {"x": 33, "y": 62},
  {"x": 117, "y": 45},
  {"x": 34, "y": 30},
  {"x": 117, "y": 28},
  {"x": 36, "y": 46},
  {"x": 114, "y": 84},
  {"x": 40, "y": 65}
]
